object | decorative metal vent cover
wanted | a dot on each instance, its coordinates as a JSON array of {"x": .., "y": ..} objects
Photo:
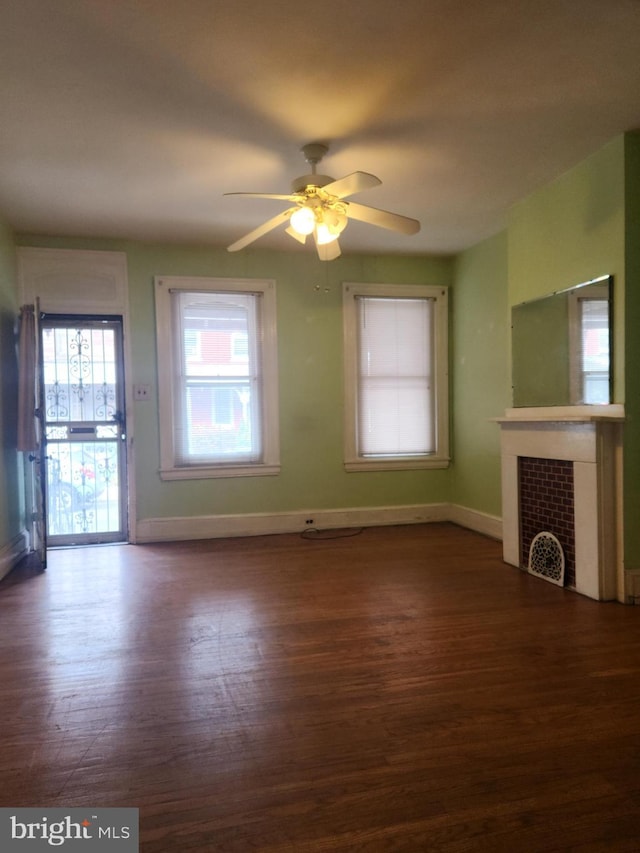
[{"x": 546, "y": 558}]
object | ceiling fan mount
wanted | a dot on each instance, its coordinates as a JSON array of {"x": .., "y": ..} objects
[
  {"x": 314, "y": 152},
  {"x": 320, "y": 208}
]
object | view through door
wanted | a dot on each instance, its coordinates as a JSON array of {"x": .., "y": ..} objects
[{"x": 81, "y": 363}]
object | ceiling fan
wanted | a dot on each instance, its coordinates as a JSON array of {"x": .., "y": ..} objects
[{"x": 319, "y": 207}]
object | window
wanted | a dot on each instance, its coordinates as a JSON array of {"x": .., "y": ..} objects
[
  {"x": 396, "y": 377},
  {"x": 218, "y": 377}
]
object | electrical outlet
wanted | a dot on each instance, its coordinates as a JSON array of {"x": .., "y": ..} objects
[
  {"x": 309, "y": 521},
  {"x": 141, "y": 392}
]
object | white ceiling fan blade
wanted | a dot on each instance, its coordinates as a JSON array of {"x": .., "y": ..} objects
[
  {"x": 301, "y": 238},
  {"x": 382, "y": 218},
  {"x": 264, "y": 195},
  {"x": 327, "y": 251},
  {"x": 267, "y": 226},
  {"x": 350, "y": 184}
]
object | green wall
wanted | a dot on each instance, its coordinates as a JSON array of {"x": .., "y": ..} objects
[
  {"x": 309, "y": 301},
  {"x": 11, "y": 486},
  {"x": 480, "y": 373},
  {"x": 572, "y": 231},
  {"x": 632, "y": 352}
]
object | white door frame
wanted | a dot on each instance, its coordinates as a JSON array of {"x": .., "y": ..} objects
[{"x": 71, "y": 281}]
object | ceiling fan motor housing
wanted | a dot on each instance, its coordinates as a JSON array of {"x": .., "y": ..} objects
[{"x": 299, "y": 185}]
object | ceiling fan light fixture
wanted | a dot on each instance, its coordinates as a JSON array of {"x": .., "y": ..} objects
[
  {"x": 336, "y": 220},
  {"x": 303, "y": 220},
  {"x": 324, "y": 234},
  {"x": 330, "y": 226}
]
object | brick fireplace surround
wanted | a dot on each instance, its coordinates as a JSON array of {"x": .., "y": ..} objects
[
  {"x": 560, "y": 473},
  {"x": 545, "y": 493}
]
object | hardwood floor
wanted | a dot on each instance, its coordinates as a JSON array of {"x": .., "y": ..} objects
[{"x": 400, "y": 690}]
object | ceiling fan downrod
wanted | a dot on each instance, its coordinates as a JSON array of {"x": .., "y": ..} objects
[{"x": 313, "y": 154}]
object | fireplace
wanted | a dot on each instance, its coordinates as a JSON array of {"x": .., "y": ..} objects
[
  {"x": 559, "y": 475},
  {"x": 545, "y": 495}
]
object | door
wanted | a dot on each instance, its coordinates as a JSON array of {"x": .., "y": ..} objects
[
  {"x": 83, "y": 429},
  {"x": 39, "y": 484},
  {"x": 30, "y": 428}
]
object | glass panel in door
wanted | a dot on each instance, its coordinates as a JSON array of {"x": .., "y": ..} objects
[{"x": 84, "y": 430}]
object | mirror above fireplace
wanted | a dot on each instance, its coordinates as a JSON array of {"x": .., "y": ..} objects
[{"x": 561, "y": 347}]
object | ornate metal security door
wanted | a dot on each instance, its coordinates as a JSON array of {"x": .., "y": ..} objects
[{"x": 84, "y": 429}]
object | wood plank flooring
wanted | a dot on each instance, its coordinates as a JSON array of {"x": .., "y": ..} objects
[{"x": 399, "y": 690}]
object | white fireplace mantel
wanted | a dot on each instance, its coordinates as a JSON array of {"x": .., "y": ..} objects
[
  {"x": 590, "y": 437},
  {"x": 569, "y": 414}
]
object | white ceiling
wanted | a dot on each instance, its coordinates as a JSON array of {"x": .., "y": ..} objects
[{"x": 131, "y": 118}]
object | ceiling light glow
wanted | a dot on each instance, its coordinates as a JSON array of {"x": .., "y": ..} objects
[{"x": 303, "y": 220}]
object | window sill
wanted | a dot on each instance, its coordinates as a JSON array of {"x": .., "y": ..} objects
[
  {"x": 432, "y": 462},
  {"x": 206, "y": 472}
]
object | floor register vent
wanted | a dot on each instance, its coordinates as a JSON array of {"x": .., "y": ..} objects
[{"x": 546, "y": 558}]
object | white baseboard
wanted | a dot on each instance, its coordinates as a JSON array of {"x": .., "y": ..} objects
[
  {"x": 13, "y": 552},
  {"x": 632, "y": 586},
  {"x": 260, "y": 524},
  {"x": 481, "y": 522}
]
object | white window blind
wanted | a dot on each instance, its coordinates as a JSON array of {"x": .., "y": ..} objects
[{"x": 395, "y": 393}]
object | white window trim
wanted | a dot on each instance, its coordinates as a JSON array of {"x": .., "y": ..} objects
[
  {"x": 439, "y": 459},
  {"x": 167, "y": 361}
]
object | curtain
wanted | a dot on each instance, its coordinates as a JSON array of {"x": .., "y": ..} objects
[{"x": 27, "y": 378}]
